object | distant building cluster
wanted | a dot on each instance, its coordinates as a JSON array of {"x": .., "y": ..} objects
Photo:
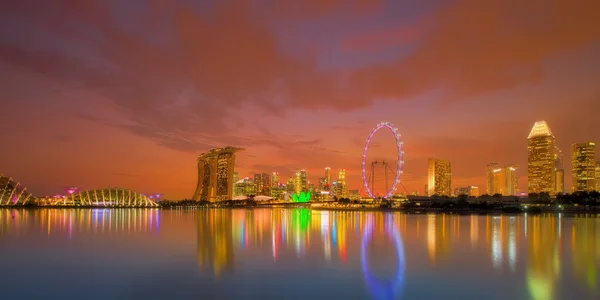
[
  {"x": 265, "y": 185},
  {"x": 217, "y": 180},
  {"x": 545, "y": 170}
]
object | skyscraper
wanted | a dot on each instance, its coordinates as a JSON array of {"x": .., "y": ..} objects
[
  {"x": 265, "y": 180},
  {"x": 300, "y": 183},
  {"x": 215, "y": 174},
  {"x": 490, "y": 177},
  {"x": 258, "y": 182},
  {"x": 342, "y": 183},
  {"x": 598, "y": 176},
  {"x": 439, "y": 177},
  {"x": 583, "y": 158},
  {"x": 505, "y": 181},
  {"x": 275, "y": 179},
  {"x": 559, "y": 171},
  {"x": 541, "y": 176},
  {"x": 328, "y": 176}
]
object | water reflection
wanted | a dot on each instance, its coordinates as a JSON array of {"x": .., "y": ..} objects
[{"x": 327, "y": 253}]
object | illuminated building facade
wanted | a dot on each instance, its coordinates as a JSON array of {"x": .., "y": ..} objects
[
  {"x": 473, "y": 191},
  {"x": 245, "y": 187},
  {"x": 559, "y": 171},
  {"x": 236, "y": 177},
  {"x": 342, "y": 186},
  {"x": 275, "y": 179},
  {"x": 583, "y": 158},
  {"x": 328, "y": 175},
  {"x": 505, "y": 181},
  {"x": 258, "y": 182},
  {"x": 291, "y": 185},
  {"x": 215, "y": 174},
  {"x": 300, "y": 182},
  {"x": 598, "y": 176},
  {"x": 461, "y": 191},
  {"x": 439, "y": 177},
  {"x": 560, "y": 181},
  {"x": 489, "y": 176},
  {"x": 541, "y": 176}
]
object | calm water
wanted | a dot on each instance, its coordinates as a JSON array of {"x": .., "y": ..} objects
[{"x": 295, "y": 254}]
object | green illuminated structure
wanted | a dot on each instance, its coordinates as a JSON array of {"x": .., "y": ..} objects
[{"x": 302, "y": 197}]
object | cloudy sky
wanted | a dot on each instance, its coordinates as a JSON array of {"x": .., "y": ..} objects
[{"x": 128, "y": 93}]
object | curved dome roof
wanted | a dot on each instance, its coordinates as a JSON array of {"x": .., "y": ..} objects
[{"x": 113, "y": 197}]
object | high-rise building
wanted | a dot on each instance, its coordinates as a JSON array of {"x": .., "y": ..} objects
[
  {"x": 598, "y": 176},
  {"x": 473, "y": 191},
  {"x": 583, "y": 159},
  {"x": 559, "y": 171},
  {"x": 236, "y": 177},
  {"x": 426, "y": 190},
  {"x": 300, "y": 183},
  {"x": 266, "y": 184},
  {"x": 291, "y": 185},
  {"x": 328, "y": 176},
  {"x": 215, "y": 174},
  {"x": 439, "y": 177},
  {"x": 541, "y": 176},
  {"x": 560, "y": 181},
  {"x": 505, "y": 181},
  {"x": 275, "y": 179},
  {"x": 342, "y": 183},
  {"x": 258, "y": 182},
  {"x": 489, "y": 176}
]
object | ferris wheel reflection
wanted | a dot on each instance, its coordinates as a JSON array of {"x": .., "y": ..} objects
[{"x": 383, "y": 288}]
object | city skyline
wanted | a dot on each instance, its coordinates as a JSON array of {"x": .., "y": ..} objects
[{"x": 93, "y": 99}]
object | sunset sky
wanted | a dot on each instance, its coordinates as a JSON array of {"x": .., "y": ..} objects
[{"x": 128, "y": 93}]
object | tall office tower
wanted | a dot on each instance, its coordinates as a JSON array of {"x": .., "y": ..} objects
[
  {"x": 489, "y": 176},
  {"x": 473, "y": 191},
  {"x": 291, "y": 185},
  {"x": 439, "y": 177},
  {"x": 328, "y": 176},
  {"x": 426, "y": 191},
  {"x": 540, "y": 159},
  {"x": 559, "y": 171},
  {"x": 258, "y": 182},
  {"x": 215, "y": 174},
  {"x": 236, "y": 178},
  {"x": 505, "y": 181},
  {"x": 275, "y": 179},
  {"x": 265, "y": 181},
  {"x": 598, "y": 176},
  {"x": 342, "y": 183},
  {"x": 583, "y": 158}
]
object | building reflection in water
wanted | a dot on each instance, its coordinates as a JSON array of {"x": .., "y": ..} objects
[
  {"x": 439, "y": 237},
  {"x": 215, "y": 240},
  {"x": 80, "y": 221},
  {"x": 528, "y": 247},
  {"x": 543, "y": 256},
  {"x": 585, "y": 245}
]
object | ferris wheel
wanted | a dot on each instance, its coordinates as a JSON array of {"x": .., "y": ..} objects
[{"x": 370, "y": 177}]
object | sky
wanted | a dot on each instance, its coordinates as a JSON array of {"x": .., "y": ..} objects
[{"x": 128, "y": 93}]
